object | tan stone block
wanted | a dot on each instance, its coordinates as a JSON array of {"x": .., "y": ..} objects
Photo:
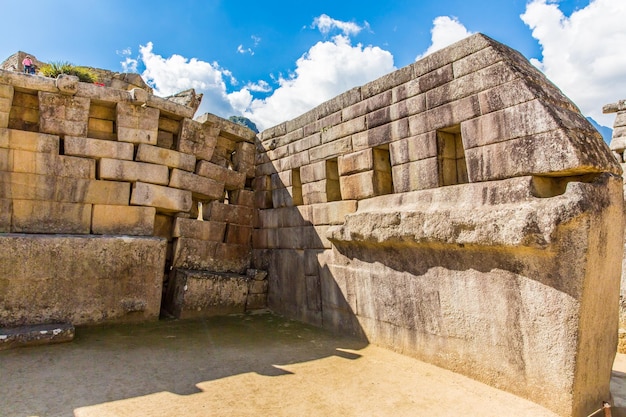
[
  {"x": 98, "y": 148},
  {"x": 197, "y": 139},
  {"x": 6, "y": 91},
  {"x": 244, "y": 158},
  {"x": 287, "y": 197},
  {"x": 241, "y": 197},
  {"x": 122, "y": 220},
  {"x": 317, "y": 192},
  {"x": 356, "y": 162},
  {"x": 31, "y": 216},
  {"x": 202, "y": 188},
  {"x": 25, "y": 186},
  {"x": 232, "y": 179},
  {"x": 29, "y": 141},
  {"x": 417, "y": 175},
  {"x": 444, "y": 116},
  {"x": 103, "y": 112},
  {"x": 165, "y": 140},
  {"x": 118, "y": 170},
  {"x": 4, "y": 120},
  {"x": 198, "y": 229},
  {"x": 365, "y": 185},
  {"x": 165, "y": 199},
  {"x": 331, "y": 149},
  {"x": 229, "y": 213},
  {"x": 49, "y": 164},
  {"x": 413, "y": 148},
  {"x": 194, "y": 254},
  {"x": 263, "y": 199},
  {"x": 169, "y": 125},
  {"x": 258, "y": 287},
  {"x": 320, "y": 171},
  {"x": 170, "y": 158},
  {"x": 333, "y": 212},
  {"x": 6, "y": 209},
  {"x": 344, "y": 129},
  {"x": 63, "y": 115},
  {"x": 100, "y": 125},
  {"x": 126, "y": 134},
  {"x": 5, "y": 104},
  {"x": 285, "y": 217},
  {"x": 137, "y": 117},
  {"x": 238, "y": 234},
  {"x": 230, "y": 257},
  {"x": 381, "y": 135}
]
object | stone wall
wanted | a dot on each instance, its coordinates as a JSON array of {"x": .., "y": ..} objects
[
  {"x": 97, "y": 163},
  {"x": 618, "y": 146},
  {"x": 460, "y": 210}
]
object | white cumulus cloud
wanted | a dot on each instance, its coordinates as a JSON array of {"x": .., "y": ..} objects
[
  {"x": 326, "y": 23},
  {"x": 171, "y": 75},
  {"x": 446, "y": 30},
  {"x": 583, "y": 54},
  {"x": 326, "y": 70}
]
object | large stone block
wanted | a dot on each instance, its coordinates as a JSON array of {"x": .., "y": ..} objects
[
  {"x": 211, "y": 256},
  {"x": 197, "y": 139},
  {"x": 29, "y": 141},
  {"x": 31, "y": 216},
  {"x": 122, "y": 220},
  {"x": 63, "y": 115},
  {"x": 193, "y": 294},
  {"x": 232, "y": 180},
  {"x": 238, "y": 234},
  {"x": 332, "y": 213},
  {"x": 418, "y": 175},
  {"x": 87, "y": 280},
  {"x": 365, "y": 185},
  {"x": 118, "y": 170},
  {"x": 25, "y": 186},
  {"x": 50, "y": 164},
  {"x": 165, "y": 199},
  {"x": 198, "y": 229},
  {"x": 241, "y": 197},
  {"x": 6, "y": 209},
  {"x": 202, "y": 188},
  {"x": 167, "y": 157},
  {"x": 229, "y": 213},
  {"x": 137, "y": 124},
  {"x": 97, "y": 148}
]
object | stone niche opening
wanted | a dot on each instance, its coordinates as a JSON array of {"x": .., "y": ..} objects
[
  {"x": 451, "y": 156},
  {"x": 382, "y": 170},
  {"x": 102, "y": 120},
  {"x": 24, "y": 114},
  {"x": 333, "y": 191},
  {"x": 296, "y": 184}
]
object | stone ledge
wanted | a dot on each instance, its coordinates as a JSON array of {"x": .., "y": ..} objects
[{"x": 41, "y": 334}]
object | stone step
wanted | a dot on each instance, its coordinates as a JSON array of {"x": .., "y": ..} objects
[{"x": 40, "y": 334}]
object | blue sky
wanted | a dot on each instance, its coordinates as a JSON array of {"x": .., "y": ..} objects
[{"x": 271, "y": 61}]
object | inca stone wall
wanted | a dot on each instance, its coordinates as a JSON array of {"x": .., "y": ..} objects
[
  {"x": 460, "y": 210},
  {"x": 107, "y": 193},
  {"x": 618, "y": 146}
]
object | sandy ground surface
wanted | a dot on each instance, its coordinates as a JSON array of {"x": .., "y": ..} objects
[{"x": 254, "y": 365}]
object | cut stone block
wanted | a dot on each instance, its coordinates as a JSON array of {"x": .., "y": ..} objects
[
  {"x": 163, "y": 198},
  {"x": 6, "y": 208},
  {"x": 118, "y": 170},
  {"x": 332, "y": 213},
  {"x": 365, "y": 185},
  {"x": 241, "y": 198},
  {"x": 29, "y": 141},
  {"x": 418, "y": 175},
  {"x": 40, "y": 334},
  {"x": 194, "y": 294},
  {"x": 31, "y": 216},
  {"x": 170, "y": 158},
  {"x": 202, "y": 188},
  {"x": 122, "y": 220},
  {"x": 197, "y": 139},
  {"x": 50, "y": 164},
  {"x": 97, "y": 148},
  {"x": 63, "y": 115},
  {"x": 137, "y": 124},
  {"x": 80, "y": 279},
  {"x": 229, "y": 213},
  {"x": 24, "y": 186},
  {"x": 238, "y": 234},
  {"x": 232, "y": 180},
  {"x": 198, "y": 229}
]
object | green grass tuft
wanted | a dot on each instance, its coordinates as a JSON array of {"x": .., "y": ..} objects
[{"x": 53, "y": 70}]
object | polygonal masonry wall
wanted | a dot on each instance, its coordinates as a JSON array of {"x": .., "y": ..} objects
[{"x": 460, "y": 210}]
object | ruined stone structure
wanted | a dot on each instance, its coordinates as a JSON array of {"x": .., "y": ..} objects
[
  {"x": 618, "y": 146},
  {"x": 100, "y": 190},
  {"x": 460, "y": 210}
]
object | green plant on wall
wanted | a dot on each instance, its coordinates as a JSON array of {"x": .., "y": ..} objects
[{"x": 53, "y": 69}]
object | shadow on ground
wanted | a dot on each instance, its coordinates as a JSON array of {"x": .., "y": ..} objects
[{"x": 111, "y": 363}]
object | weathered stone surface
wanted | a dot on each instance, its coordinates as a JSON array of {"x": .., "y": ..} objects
[
  {"x": 228, "y": 213},
  {"x": 48, "y": 164},
  {"x": 122, "y": 220},
  {"x": 42, "y": 334},
  {"x": 241, "y": 197},
  {"x": 201, "y": 187},
  {"x": 198, "y": 229},
  {"x": 232, "y": 179},
  {"x": 137, "y": 124},
  {"x": 67, "y": 84},
  {"x": 62, "y": 114},
  {"x": 194, "y": 294},
  {"x": 29, "y": 141},
  {"x": 197, "y": 139},
  {"x": 170, "y": 158},
  {"x": 79, "y": 284},
  {"x": 365, "y": 185},
  {"x": 31, "y": 216},
  {"x": 165, "y": 199},
  {"x": 97, "y": 148},
  {"x": 118, "y": 170}
]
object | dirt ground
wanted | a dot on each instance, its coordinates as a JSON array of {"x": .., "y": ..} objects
[{"x": 253, "y": 365}]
